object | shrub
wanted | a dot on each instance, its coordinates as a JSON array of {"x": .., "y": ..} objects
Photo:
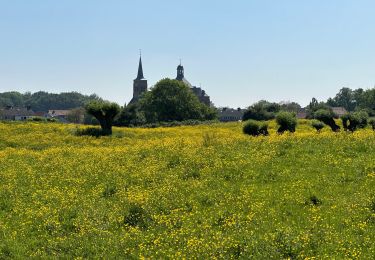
[
  {"x": 287, "y": 122},
  {"x": 317, "y": 125},
  {"x": 327, "y": 117},
  {"x": 255, "y": 128},
  {"x": 136, "y": 217},
  {"x": 37, "y": 119},
  {"x": 362, "y": 118},
  {"x": 91, "y": 131},
  {"x": 263, "y": 129},
  {"x": 372, "y": 123},
  {"x": 353, "y": 121},
  {"x": 345, "y": 121},
  {"x": 251, "y": 127}
]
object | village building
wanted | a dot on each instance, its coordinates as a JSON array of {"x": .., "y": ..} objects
[
  {"x": 140, "y": 85},
  {"x": 61, "y": 115},
  {"x": 339, "y": 111},
  {"x": 16, "y": 113},
  {"x": 231, "y": 114},
  {"x": 199, "y": 92}
]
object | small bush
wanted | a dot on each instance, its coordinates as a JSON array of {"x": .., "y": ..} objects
[
  {"x": 37, "y": 119},
  {"x": 327, "y": 117},
  {"x": 287, "y": 122},
  {"x": 362, "y": 118},
  {"x": 251, "y": 127},
  {"x": 255, "y": 128},
  {"x": 317, "y": 125},
  {"x": 52, "y": 120},
  {"x": 136, "y": 217},
  {"x": 314, "y": 201},
  {"x": 263, "y": 129},
  {"x": 91, "y": 131},
  {"x": 353, "y": 121}
]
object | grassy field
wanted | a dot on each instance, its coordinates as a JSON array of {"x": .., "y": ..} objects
[{"x": 186, "y": 192}]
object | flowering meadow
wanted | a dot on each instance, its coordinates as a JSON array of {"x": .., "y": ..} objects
[{"x": 186, "y": 192}]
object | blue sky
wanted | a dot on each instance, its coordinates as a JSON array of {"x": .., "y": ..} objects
[{"x": 238, "y": 51}]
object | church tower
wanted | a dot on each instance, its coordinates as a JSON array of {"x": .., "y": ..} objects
[
  {"x": 180, "y": 72},
  {"x": 139, "y": 84}
]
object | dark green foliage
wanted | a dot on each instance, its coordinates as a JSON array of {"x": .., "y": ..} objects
[
  {"x": 136, "y": 217},
  {"x": 131, "y": 115},
  {"x": 345, "y": 121},
  {"x": 91, "y": 131},
  {"x": 263, "y": 129},
  {"x": 327, "y": 117},
  {"x": 345, "y": 98},
  {"x": 353, "y": 121},
  {"x": 178, "y": 123},
  {"x": 290, "y": 107},
  {"x": 314, "y": 200},
  {"x": 287, "y": 122},
  {"x": 171, "y": 100},
  {"x": 363, "y": 118},
  {"x": 262, "y": 110},
  {"x": 255, "y": 128},
  {"x": 251, "y": 127},
  {"x": 318, "y": 125},
  {"x": 314, "y": 106},
  {"x": 44, "y": 101},
  {"x": 104, "y": 112},
  {"x": 372, "y": 123},
  {"x": 37, "y": 119},
  {"x": 354, "y": 100},
  {"x": 42, "y": 119}
]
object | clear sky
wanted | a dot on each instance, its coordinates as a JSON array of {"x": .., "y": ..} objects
[{"x": 239, "y": 51}]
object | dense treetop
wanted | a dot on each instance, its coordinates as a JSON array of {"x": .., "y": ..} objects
[{"x": 172, "y": 100}]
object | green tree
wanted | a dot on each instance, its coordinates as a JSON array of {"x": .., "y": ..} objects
[
  {"x": 345, "y": 98},
  {"x": 172, "y": 100},
  {"x": 104, "y": 112},
  {"x": 131, "y": 115},
  {"x": 262, "y": 110},
  {"x": 314, "y": 106},
  {"x": 290, "y": 107},
  {"x": 327, "y": 117},
  {"x": 287, "y": 121}
]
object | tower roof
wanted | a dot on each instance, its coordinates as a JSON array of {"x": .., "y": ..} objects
[
  {"x": 140, "y": 69},
  {"x": 180, "y": 72}
]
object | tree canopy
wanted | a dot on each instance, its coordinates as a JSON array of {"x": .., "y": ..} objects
[
  {"x": 172, "y": 100},
  {"x": 262, "y": 110},
  {"x": 104, "y": 112}
]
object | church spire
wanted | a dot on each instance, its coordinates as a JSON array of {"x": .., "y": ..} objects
[{"x": 140, "y": 69}]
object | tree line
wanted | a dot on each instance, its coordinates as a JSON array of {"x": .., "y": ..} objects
[
  {"x": 352, "y": 100},
  {"x": 44, "y": 101}
]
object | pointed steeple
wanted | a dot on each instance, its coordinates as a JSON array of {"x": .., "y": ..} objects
[{"x": 140, "y": 69}]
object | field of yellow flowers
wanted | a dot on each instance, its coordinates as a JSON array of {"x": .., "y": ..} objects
[{"x": 186, "y": 192}]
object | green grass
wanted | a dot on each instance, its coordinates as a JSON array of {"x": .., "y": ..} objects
[{"x": 186, "y": 192}]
